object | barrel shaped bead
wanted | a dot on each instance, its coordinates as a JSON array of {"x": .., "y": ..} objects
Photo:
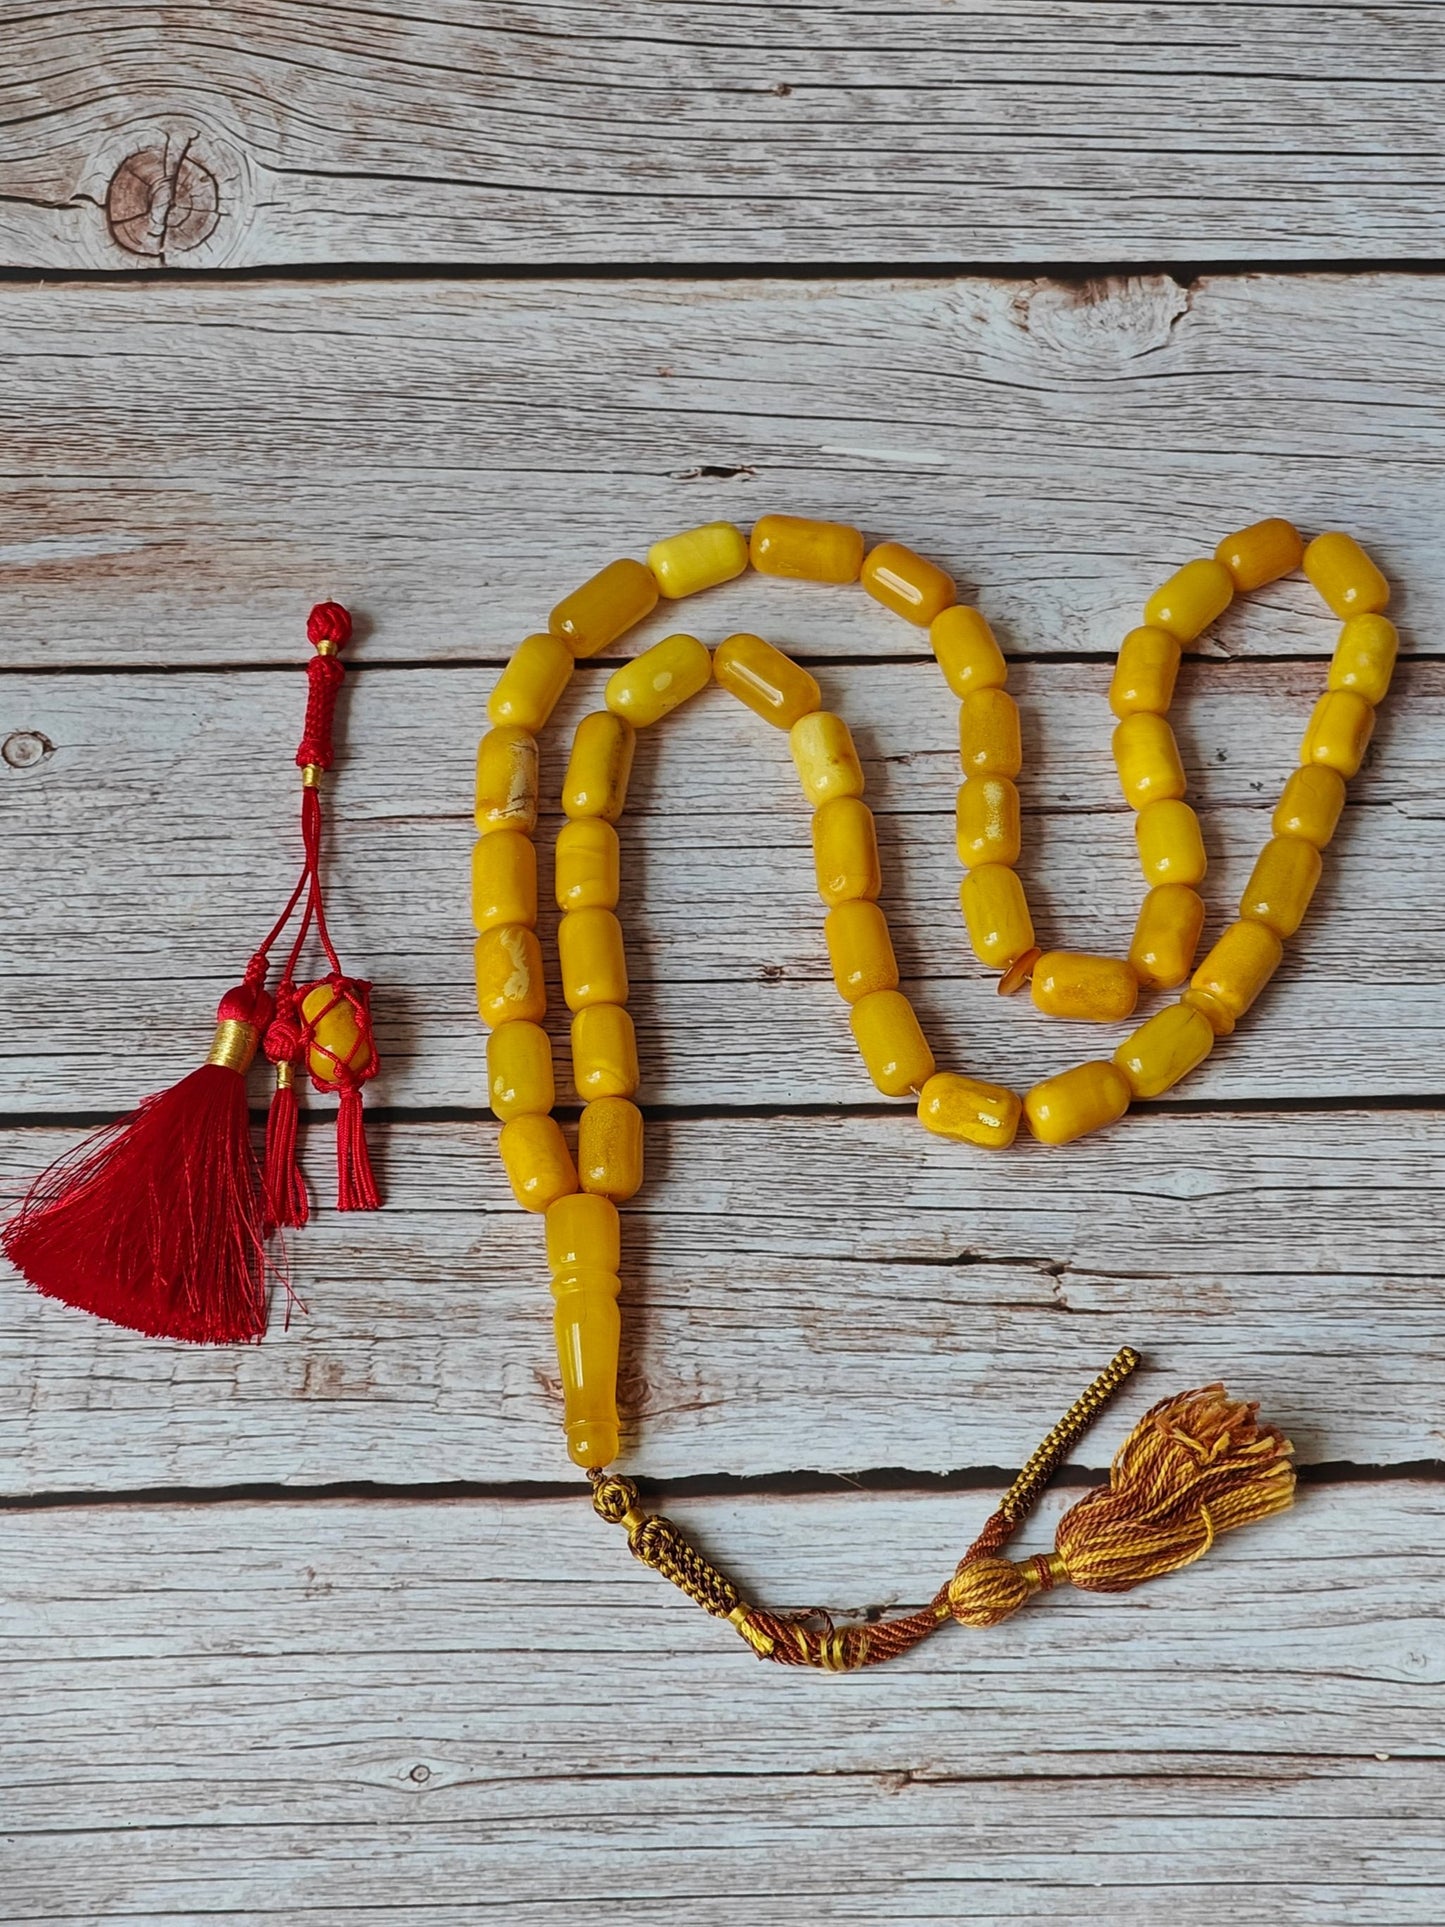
[
  {"x": 908, "y": 584},
  {"x": 510, "y": 984},
  {"x": 504, "y": 880},
  {"x": 970, "y": 1111},
  {"x": 1145, "y": 672},
  {"x": 771, "y": 684},
  {"x": 988, "y": 734},
  {"x": 520, "y": 1079},
  {"x": 988, "y": 829},
  {"x": 593, "y": 959},
  {"x": 806, "y": 550},
  {"x": 1234, "y": 972},
  {"x": 1171, "y": 846},
  {"x": 1261, "y": 553},
  {"x": 535, "y": 1157},
  {"x": 697, "y": 559},
  {"x": 1092, "y": 990},
  {"x": 891, "y": 1042},
  {"x": 825, "y": 758},
  {"x": 528, "y": 689},
  {"x": 606, "y": 606},
  {"x": 845, "y": 851},
  {"x": 1191, "y": 599},
  {"x": 658, "y": 681},
  {"x": 1310, "y": 804},
  {"x": 996, "y": 915},
  {"x": 587, "y": 865},
  {"x": 967, "y": 652},
  {"x": 1364, "y": 658},
  {"x": 609, "y": 1148},
  {"x": 1339, "y": 731},
  {"x": 583, "y": 1234},
  {"x": 604, "y": 1052},
  {"x": 588, "y": 1329},
  {"x": 1076, "y": 1102},
  {"x": 1281, "y": 884},
  {"x": 1165, "y": 1048},
  {"x": 1147, "y": 758},
  {"x": 507, "y": 781},
  {"x": 599, "y": 766},
  {"x": 1166, "y": 936},
  {"x": 1345, "y": 576},
  {"x": 860, "y": 950}
]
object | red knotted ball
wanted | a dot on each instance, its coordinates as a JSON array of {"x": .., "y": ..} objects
[{"x": 329, "y": 622}]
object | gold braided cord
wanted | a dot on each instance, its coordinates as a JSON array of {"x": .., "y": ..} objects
[{"x": 1023, "y": 1495}]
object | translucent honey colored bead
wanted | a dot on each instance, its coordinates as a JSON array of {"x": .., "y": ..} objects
[
  {"x": 520, "y": 1082},
  {"x": 587, "y": 865},
  {"x": 845, "y": 851},
  {"x": 1345, "y": 576},
  {"x": 891, "y": 1042},
  {"x": 609, "y": 1148},
  {"x": 588, "y": 1330},
  {"x": 698, "y": 559},
  {"x": 593, "y": 959},
  {"x": 583, "y": 1234},
  {"x": 528, "y": 688},
  {"x": 653, "y": 684},
  {"x": 996, "y": 915},
  {"x": 1281, "y": 884},
  {"x": 1171, "y": 846},
  {"x": 967, "y": 653},
  {"x": 1145, "y": 673},
  {"x": 510, "y": 985},
  {"x": 988, "y": 821},
  {"x": 1310, "y": 804},
  {"x": 604, "y": 1052},
  {"x": 1147, "y": 758},
  {"x": 860, "y": 950},
  {"x": 504, "y": 880},
  {"x": 606, "y": 606},
  {"x": 599, "y": 766},
  {"x": 1340, "y": 727},
  {"x": 507, "y": 781},
  {"x": 1233, "y": 974},
  {"x": 908, "y": 584},
  {"x": 1076, "y": 1102},
  {"x": 771, "y": 684},
  {"x": 1364, "y": 658},
  {"x": 807, "y": 551},
  {"x": 988, "y": 734},
  {"x": 1166, "y": 936},
  {"x": 1191, "y": 599},
  {"x": 538, "y": 1164},
  {"x": 969, "y": 1110},
  {"x": 1261, "y": 553},
  {"x": 827, "y": 763},
  {"x": 1165, "y": 1048},
  {"x": 1094, "y": 990}
]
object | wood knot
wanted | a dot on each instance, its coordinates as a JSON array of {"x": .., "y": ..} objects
[
  {"x": 24, "y": 748},
  {"x": 162, "y": 200}
]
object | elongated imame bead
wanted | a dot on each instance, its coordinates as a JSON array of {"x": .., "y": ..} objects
[
  {"x": 967, "y": 653},
  {"x": 653, "y": 684},
  {"x": 1281, "y": 884},
  {"x": 510, "y": 985},
  {"x": 1171, "y": 845},
  {"x": 988, "y": 734},
  {"x": 1340, "y": 727},
  {"x": 1166, "y": 1047},
  {"x": 1261, "y": 553},
  {"x": 1145, "y": 672},
  {"x": 520, "y": 1081},
  {"x": 1191, "y": 599},
  {"x": 1094, "y": 990},
  {"x": 588, "y": 1329},
  {"x": 826, "y": 761},
  {"x": 592, "y": 957},
  {"x": 1364, "y": 658},
  {"x": 988, "y": 821},
  {"x": 969, "y": 1110},
  {"x": 1166, "y": 936},
  {"x": 1310, "y": 804},
  {"x": 535, "y": 1157},
  {"x": 1076, "y": 1102},
  {"x": 606, "y": 606},
  {"x": 504, "y": 880},
  {"x": 528, "y": 688},
  {"x": 588, "y": 864},
  {"x": 996, "y": 915},
  {"x": 1147, "y": 758},
  {"x": 698, "y": 559},
  {"x": 771, "y": 684},
  {"x": 908, "y": 584},
  {"x": 845, "y": 851},
  {"x": 860, "y": 950},
  {"x": 583, "y": 1234},
  {"x": 604, "y": 1052},
  {"x": 1345, "y": 576},
  {"x": 609, "y": 1148},
  {"x": 806, "y": 551},
  {"x": 891, "y": 1043},
  {"x": 1233, "y": 974},
  {"x": 507, "y": 781},
  {"x": 599, "y": 766}
]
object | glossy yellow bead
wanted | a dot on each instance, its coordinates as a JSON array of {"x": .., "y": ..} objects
[
  {"x": 1364, "y": 658},
  {"x": 1191, "y": 599},
  {"x": 1340, "y": 727},
  {"x": 599, "y": 766},
  {"x": 860, "y": 950},
  {"x": 507, "y": 781},
  {"x": 996, "y": 914},
  {"x": 1094, "y": 990},
  {"x": 1310, "y": 804},
  {"x": 604, "y": 1052},
  {"x": 967, "y": 653},
  {"x": 588, "y": 865},
  {"x": 826, "y": 761},
  {"x": 504, "y": 880},
  {"x": 653, "y": 684},
  {"x": 606, "y": 606},
  {"x": 891, "y": 1042},
  {"x": 1171, "y": 846},
  {"x": 1345, "y": 576},
  {"x": 510, "y": 985},
  {"x": 1144, "y": 674},
  {"x": 1261, "y": 553},
  {"x": 908, "y": 584},
  {"x": 970, "y": 1111},
  {"x": 698, "y": 559},
  {"x": 988, "y": 734},
  {"x": 609, "y": 1148},
  {"x": 1235, "y": 971},
  {"x": 592, "y": 958},
  {"x": 771, "y": 684},
  {"x": 1147, "y": 758},
  {"x": 1076, "y": 1102},
  {"x": 805, "y": 550},
  {"x": 520, "y": 1082},
  {"x": 583, "y": 1234},
  {"x": 588, "y": 1329},
  {"x": 1166, "y": 936},
  {"x": 337, "y": 1037},
  {"x": 1165, "y": 1048},
  {"x": 1281, "y": 884},
  {"x": 537, "y": 1162},
  {"x": 528, "y": 688},
  {"x": 845, "y": 851},
  {"x": 988, "y": 821}
]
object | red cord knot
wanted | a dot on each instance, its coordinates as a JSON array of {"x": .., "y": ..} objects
[
  {"x": 324, "y": 677},
  {"x": 248, "y": 1003},
  {"x": 329, "y": 622}
]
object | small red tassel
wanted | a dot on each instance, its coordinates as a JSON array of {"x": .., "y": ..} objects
[
  {"x": 355, "y": 1186},
  {"x": 286, "y": 1200}
]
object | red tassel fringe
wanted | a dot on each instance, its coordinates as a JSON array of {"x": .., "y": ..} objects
[
  {"x": 355, "y": 1186},
  {"x": 286, "y": 1200}
]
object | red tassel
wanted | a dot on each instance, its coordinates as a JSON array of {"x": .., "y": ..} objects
[
  {"x": 355, "y": 1186},
  {"x": 286, "y": 1200}
]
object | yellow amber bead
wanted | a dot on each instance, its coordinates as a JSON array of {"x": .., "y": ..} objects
[
  {"x": 771, "y": 684},
  {"x": 609, "y": 1148},
  {"x": 599, "y": 766},
  {"x": 827, "y": 763},
  {"x": 588, "y": 1329},
  {"x": 337, "y": 1036},
  {"x": 528, "y": 688},
  {"x": 656, "y": 682},
  {"x": 510, "y": 985},
  {"x": 969, "y": 1110},
  {"x": 1095, "y": 990},
  {"x": 537, "y": 1162},
  {"x": 1147, "y": 758},
  {"x": 593, "y": 960},
  {"x": 1191, "y": 599},
  {"x": 698, "y": 559},
  {"x": 588, "y": 864},
  {"x": 1166, "y": 936},
  {"x": 1280, "y": 887},
  {"x": 891, "y": 1042},
  {"x": 1165, "y": 1048},
  {"x": 988, "y": 734},
  {"x": 1345, "y": 576},
  {"x": 860, "y": 950},
  {"x": 1310, "y": 804},
  {"x": 606, "y": 606},
  {"x": 583, "y": 1234},
  {"x": 520, "y": 1082},
  {"x": 504, "y": 880},
  {"x": 507, "y": 781},
  {"x": 604, "y": 1052},
  {"x": 966, "y": 650},
  {"x": 1340, "y": 727},
  {"x": 1261, "y": 553},
  {"x": 908, "y": 584},
  {"x": 1145, "y": 672},
  {"x": 805, "y": 550},
  {"x": 845, "y": 851},
  {"x": 996, "y": 914},
  {"x": 1235, "y": 972},
  {"x": 1171, "y": 847},
  {"x": 1364, "y": 658},
  {"x": 1076, "y": 1102},
  {"x": 988, "y": 821}
]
